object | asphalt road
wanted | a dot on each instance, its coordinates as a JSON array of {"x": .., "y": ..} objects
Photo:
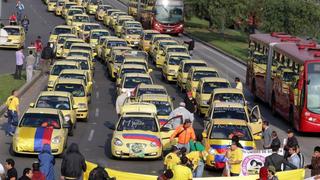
[{"x": 94, "y": 135}]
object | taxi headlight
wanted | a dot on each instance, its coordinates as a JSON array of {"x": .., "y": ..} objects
[
  {"x": 56, "y": 140},
  {"x": 153, "y": 144},
  {"x": 82, "y": 106},
  {"x": 117, "y": 142}
]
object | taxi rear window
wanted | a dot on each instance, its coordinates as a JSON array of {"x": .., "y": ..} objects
[{"x": 229, "y": 113}]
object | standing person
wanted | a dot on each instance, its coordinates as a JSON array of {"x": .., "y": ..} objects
[
  {"x": 37, "y": 174},
  {"x": 315, "y": 162},
  {"x": 12, "y": 104},
  {"x": 234, "y": 155},
  {"x": 266, "y": 135},
  {"x": 2, "y": 172},
  {"x": 197, "y": 144},
  {"x": 19, "y": 9},
  {"x": 293, "y": 158},
  {"x": 236, "y": 139},
  {"x": 47, "y": 162},
  {"x": 11, "y": 170},
  {"x": 185, "y": 133},
  {"x": 46, "y": 58},
  {"x": 181, "y": 171},
  {"x": 38, "y": 48},
  {"x": 121, "y": 99},
  {"x": 190, "y": 46},
  {"x": 178, "y": 112},
  {"x": 238, "y": 83},
  {"x": 271, "y": 173},
  {"x": 167, "y": 175},
  {"x": 172, "y": 159},
  {"x": 13, "y": 19},
  {"x": 27, "y": 174},
  {"x": 99, "y": 173},
  {"x": 25, "y": 23},
  {"x": 73, "y": 164},
  {"x": 19, "y": 63},
  {"x": 275, "y": 140},
  {"x": 276, "y": 160},
  {"x": 190, "y": 103},
  {"x": 291, "y": 141},
  {"x": 30, "y": 61}
]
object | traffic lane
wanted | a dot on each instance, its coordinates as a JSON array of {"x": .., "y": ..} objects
[{"x": 41, "y": 23}]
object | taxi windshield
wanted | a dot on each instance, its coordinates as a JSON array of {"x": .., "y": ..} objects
[
  {"x": 228, "y": 131},
  {"x": 201, "y": 74},
  {"x": 136, "y": 63},
  {"x": 136, "y": 25},
  {"x": 69, "y": 5},
  {"x": 92, "y": 26},
  {"x": 12, "y": 31},
  {"x": 162, "y": 44},
  {"x": 58, "y": 31},
  {"x": 55, "y": 102},
  {"x": 87, "y": 48},
  {"x": 69, "y": 43},
  {"x": 62, "y": 39},
  {"x": 229, "y": 113},
  {"x": 208, "y": 87},
  {"x": 155, "y": 39},
  {"x": 76, "y": 90},
  {"x": 138, "y": 123},
  {"x": 181, "y": 50},
  {"x": 142, "y": 91},
  {"x": 81, "y": 19},
  {"x": 74, "y": 11},
  {"x": 116, "y": 43},
  {"x": 119, "y": 59},
  {"x": 137, "y": 54},
  {"x": 96, "y": 35},
  {"x": 132, "y": 82},
  {"x": 56, "y": 70},
  {"x": 74, "y": 76},
  {"x": 148, "y": 36},
  {"x": 175, "y": 60},
  {"x": 229, "y": 97},
  {"x": 105, "y": 8},
  {"x": 84, "y": 54},
  {"x": 40, "y": 120},
  {"x": 132, "y": 70},
  {"x": 134, "y": 31},
  {"x": 188, "y": 66},
  {"x": 163, "y": 107}
]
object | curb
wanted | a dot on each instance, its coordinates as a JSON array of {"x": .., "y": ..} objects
[{"x": 22, "y": 90}]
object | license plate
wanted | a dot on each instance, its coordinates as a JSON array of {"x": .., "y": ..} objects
[
  {"x": 168, "y": 30},
  {"x": 135, "y": 42}
]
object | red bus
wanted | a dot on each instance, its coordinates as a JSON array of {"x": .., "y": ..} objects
[{"x": 284, "y": 72}]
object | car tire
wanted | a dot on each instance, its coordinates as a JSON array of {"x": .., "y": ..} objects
[{"x": 11, "y": 151}]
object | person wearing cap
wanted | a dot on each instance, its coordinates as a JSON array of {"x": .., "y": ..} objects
[
  {"x": 37, "y": 174},
  {"x": 291, "y": 141},
  {"x": 271, "y": 173},
  {"x": 172, "y": 159},
  {"x": 266, "y": 135},
  {"x": 315, "y": 162},
  {"x": 185, "y": 133},
  {"x": 234, "y": 155},
  {"x": 178, "y": 112},
  {"x": 121, "y": 99}
]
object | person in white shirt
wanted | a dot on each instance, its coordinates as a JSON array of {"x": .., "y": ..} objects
[
  {"x": 2, "y": 172},
  {"x": 121, "y": 99},
  {"x": 238, "y": 83}
]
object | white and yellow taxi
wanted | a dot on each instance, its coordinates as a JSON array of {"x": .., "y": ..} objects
[
  {"x": 160, "y": 57},
  {"x": 171, "y": 65},
  {"x": 148, "y": 89},
  {"x": 130, "y": 68},
  {"x": 59, "y": 6},
  {"x": 158, "y": 47},
  {"x": 113, "y": 18},
  {"x": 61, "y": 29},
  {"x": 51, "y": 5},
  {"x": 101, "y": 11},
  {"x": 108, "y": 44},
  {"x": 95, "y": 34},
  {"x": 70, "y": 13},
  {"x": 86, "y": 28},
  {"x": 184, "y": 68},
  {"x": 58, "y": 45},
  {"x": 84, "y": 64},
  {"x": 92, "y": 6},
  {"x": 107, "y": 16},
  {"x": 131, "y": 80},
  {"x": 119, "y": 23},
  {"x": 65, "y": 8},
  {"x": 78, "y": 74},
  {"x": 79, "y": 19},
  {"x": 132, "y": 35},
  {"x": 67, "y": 45},
  {"x": 145, "y": 40},
  {"x": 15, "y": 39}
]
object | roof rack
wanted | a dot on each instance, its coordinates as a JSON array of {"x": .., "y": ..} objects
[{"x": 310, "y": 46}]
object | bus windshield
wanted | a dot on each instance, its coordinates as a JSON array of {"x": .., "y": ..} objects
[
  {"x": 313, "y": 87},
  {"x": 169, "y": 14}
]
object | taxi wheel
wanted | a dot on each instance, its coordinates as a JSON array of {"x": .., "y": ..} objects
[{"x": 11, "y": 151}]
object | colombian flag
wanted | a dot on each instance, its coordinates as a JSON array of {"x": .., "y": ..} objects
[
  {"x": 41, "y": 137},
  {"x": 146, "y": 137},
  {"x": 162, "y": 121},
  {"x": 221, "y": 150}
]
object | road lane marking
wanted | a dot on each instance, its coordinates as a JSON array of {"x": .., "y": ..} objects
[
  {"x": 91, "y": 135},
  {"x": 97, "y": 112},
  {"x": 97, "y": 95}
]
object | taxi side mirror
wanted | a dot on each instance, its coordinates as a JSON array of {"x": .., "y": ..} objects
[
  {"x": 165, "y": 129},
  {"x": 31, "y": 105},
  {"x": 75, "y": 107}
]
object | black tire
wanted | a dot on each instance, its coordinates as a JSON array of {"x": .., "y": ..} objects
[{"x": 11, "y": 151}]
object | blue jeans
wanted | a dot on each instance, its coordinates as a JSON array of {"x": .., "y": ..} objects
[
  {"x": 12, "y": 121},
  {"x": 199, "y": 170},
  {"x": 19, "y": 16}
]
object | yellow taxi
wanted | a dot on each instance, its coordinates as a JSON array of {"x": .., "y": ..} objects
[
  {"x": 67, "y": 44},
  {"x": 113, "y": 51},
  {"x": 79, "y": 7},
  {"x": 78, "y": 90},
  {"x": 58, "y": 45},
  {"x": 231, "y": 110},
  {"x": 217, "y": 137},
  {"x": 37, "y": 127},
  {"x": 113, "y": 18},
  {"x": 130, "y": 68},
  {"x": 134, "y": 53},
  {"x": 92, "y": 6},
  {"x": 115, "y": 61},
  {"x": 61, "y": 29},
  {"x": 135, "y": 60},
  {"x": 148, "y": 89},
  {"x": 119, "y": 23},
  {"x": 70, "y": 13},
  {"x": 162, "y": 102},
  {"x": 84, "y": 63},
  {"x": 227, "y": 95},
  {"x": 101, "y": 11},
  {"x": 206, "y": 86},
  {"x": 131, "y": 80},
  {"x": 62, "y": 101},
  {"x": 145, "y": 40},
  {"x": 15, "y": 39},
  {"x": 59, "y": 6},
  {"x": 157, "y": 37},
  {"x": 57, "y": 67},
  {"x": 79, "y": 19},
  {"x": 95, "y": 34},
  {"x": 84, "y": 47},
  {"x": 160, "y": 57},
  {"x": 66, "y": 6},
  {"x": 51, "y": 5},
  {"x": 194, "y": 76},
  {"x": 99, "y": 45},
  {"x": 86, "y": 28},
  {"x": 141, "y": 140},
  {"x": 108, "y": 44},
  {"x": 132, "y": 24},
  {"x": 107, "y": 16},
  {"x": 158, "y": 46},
  {"x": 84, "y": 53},
  {"x": 184, "y": 68},
  {"x": 132, "y": 35},
  {"x": 171, "y": 65}
]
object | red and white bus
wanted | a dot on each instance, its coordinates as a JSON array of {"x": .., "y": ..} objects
[{"x": 284, "y": 71}]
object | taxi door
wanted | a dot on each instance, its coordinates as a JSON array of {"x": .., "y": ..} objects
[
  {"x": 166, "y": 131},
  {"x": 256, "y": 122}
]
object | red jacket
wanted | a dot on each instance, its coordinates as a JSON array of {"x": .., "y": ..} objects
[
  {"x": 37, "y": 175},
  {"x": 13, "y": 18},
  {"x": 38, "y": 45}
]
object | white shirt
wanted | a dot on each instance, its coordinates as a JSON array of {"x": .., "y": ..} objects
[
  {"x": 239, "y": 86},
  {"x": 120, "y": 100},
  {"x": 19, "y": 57},
  {"x": 2, "y": 171}
]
